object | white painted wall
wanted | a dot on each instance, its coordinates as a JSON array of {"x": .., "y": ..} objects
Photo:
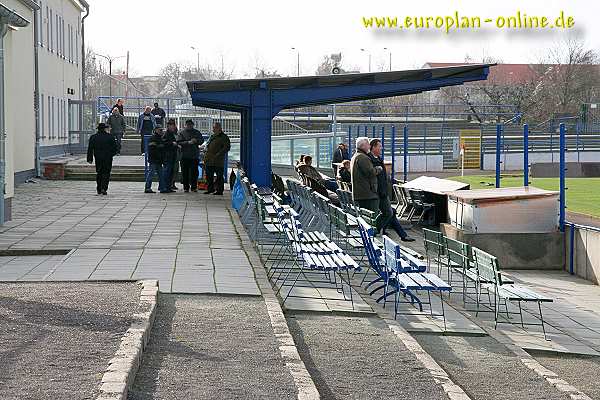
[
  {"x": 419, "y": 163},
  {"x": 18, "y": 95},
  {"x": 514, "y": 161}
]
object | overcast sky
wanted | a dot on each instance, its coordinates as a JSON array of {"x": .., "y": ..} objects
[{"x": 261, "y": 33}]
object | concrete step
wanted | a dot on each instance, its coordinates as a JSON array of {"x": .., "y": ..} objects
[{"x": 89, "y": 176}]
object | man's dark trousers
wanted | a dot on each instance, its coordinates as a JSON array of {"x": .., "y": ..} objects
[
  {"x": 189, "y": 173},
  {"x": 103, "y": 168},
  {"x": 218, "y": 185}
]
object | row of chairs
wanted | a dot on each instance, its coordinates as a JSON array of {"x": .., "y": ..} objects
[
  {"x": 400, "y": 273},
  {"x": 481, "y": 270},
  {"x": 412, "y": 204},
  {"x": 291, "y": 251}
]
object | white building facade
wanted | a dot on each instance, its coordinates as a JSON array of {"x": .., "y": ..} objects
[{"x": 54, "y": 29}]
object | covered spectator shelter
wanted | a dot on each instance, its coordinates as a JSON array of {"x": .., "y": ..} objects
[{"x": 259, "y": 100}]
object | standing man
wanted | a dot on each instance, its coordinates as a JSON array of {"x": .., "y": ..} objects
[
  {"x": 214, "y": 159},
  {"x": 159, "y": 115},
  {"x": 364, "y": 178},
  {"x": 119, "y": 105},
  {"x": 116, "y": 122},
  {"x": 388, "y": 216},
  {"x": 156, "y": 157},
  {"x": 102, "y": 147},
  {"x": 189, "y": 139},
  {"x": 170, "y": 137},
  {"x": 145, "y": 126},
  {"x": 339, "y": 155}
]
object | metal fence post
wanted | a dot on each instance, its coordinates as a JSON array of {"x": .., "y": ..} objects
[
  {"x": 498, "y": 146},
  {"x": 525, "y": 155},
  {"x": 562, "y": 198},
  {"x": 349, "y": 139},
  {"x": 382, "y": 142},
  {"x": 393, "y": 147},
  {"x": 405, "y": 155}
]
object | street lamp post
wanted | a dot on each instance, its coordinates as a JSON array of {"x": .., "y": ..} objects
[
  {"x": 369, "y": 53},
  {"x": 298, "y": 60},
  {"x": 390, "y": 51},
  {"x": 197, "y": 60},
  {"x": 110, "y": 61}
]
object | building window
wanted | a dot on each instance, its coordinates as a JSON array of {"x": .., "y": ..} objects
[{"x": 51, "y": 31}]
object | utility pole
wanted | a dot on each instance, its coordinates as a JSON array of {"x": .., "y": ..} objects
[
  {"x": 390, "y": 51},
  {"x": 110, "y": 61},
  {"x": 198, "y": 61},
  {"x": 127, "y": 75},
  {"x": 369, "y": 53}
]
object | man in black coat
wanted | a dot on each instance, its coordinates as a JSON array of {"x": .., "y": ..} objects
[
  {"x": 388, "y": 215},
  {"x": 339, "y": 155},
  {"x": 189, "y": 139},
  {"x": 102, "y": 147}
]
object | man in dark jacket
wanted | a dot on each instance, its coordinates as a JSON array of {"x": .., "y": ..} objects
[
  {"x": 102, "y": 147},
  {"x": 145, "y": 126},
  {"x": 388, "y": 216},
  {"x": 339, "y": 155},
  {"x": 116, "y": 122},
  {"x": 171, "y": 164},
  {"x": 159, "y": 115},
  {"x": 214, "y": 159},
  {"x": 189, "y": 139},
  {"x": 156, "y": 157}
]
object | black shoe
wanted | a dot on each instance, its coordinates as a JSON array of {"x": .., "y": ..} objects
[
  {"x": 407, "y": 239},
  {"x": 99, "y": 193},
  {"x": 218, "y": 194},
  {"x": 209, "y": 192},
  {"x": 104, "y": 192},
  {"x": 149, "y": 191},
  {"x": 174, "y": 187}
]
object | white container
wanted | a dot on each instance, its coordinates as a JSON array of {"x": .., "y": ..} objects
[{"x": 504, "y": 210}]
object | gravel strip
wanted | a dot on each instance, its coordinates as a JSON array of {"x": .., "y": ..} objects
[
  {"x": 486, "y": 369},
  {"x": 359, "y": 358},
  {"x": 580, "y": 371},
  {"x": 56, "y": 338},
  {"x": 212, "y": 347}
]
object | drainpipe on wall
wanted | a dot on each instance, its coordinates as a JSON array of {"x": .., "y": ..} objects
[
  {"x": 87, "y": 12},
  {"x": 36, "y": 92},
  {"x": 3, "y": 30}
]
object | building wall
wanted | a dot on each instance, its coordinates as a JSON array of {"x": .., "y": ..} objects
[
  {"x": 19, "y": 92},
  {"x": 59, "y": 57}
]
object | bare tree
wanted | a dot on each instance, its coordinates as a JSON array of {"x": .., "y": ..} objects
[{"x": 329, "y": 63}]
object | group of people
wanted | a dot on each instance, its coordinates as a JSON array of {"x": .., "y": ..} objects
[
  {"x": 366, "y": 177},
  {"x": 370, "y": 185},
  {"x": 166, "y": 150}
]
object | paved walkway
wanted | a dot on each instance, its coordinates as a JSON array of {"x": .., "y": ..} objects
[{"x": 185, "y": 240}]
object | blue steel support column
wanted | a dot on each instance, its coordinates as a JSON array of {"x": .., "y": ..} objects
[
  {"x": 373, "y": 136},
  {"x": 498, "y": 145},
  {"x": 525, "y": 155},
  {"x": 562, "y": 198},
  {"x": 393, "y": 150},
  {"x": 405, "y": 154},
  {"x": 261, "y": 117}
]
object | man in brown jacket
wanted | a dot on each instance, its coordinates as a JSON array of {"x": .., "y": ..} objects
[{"x": 214, "y": 159}]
